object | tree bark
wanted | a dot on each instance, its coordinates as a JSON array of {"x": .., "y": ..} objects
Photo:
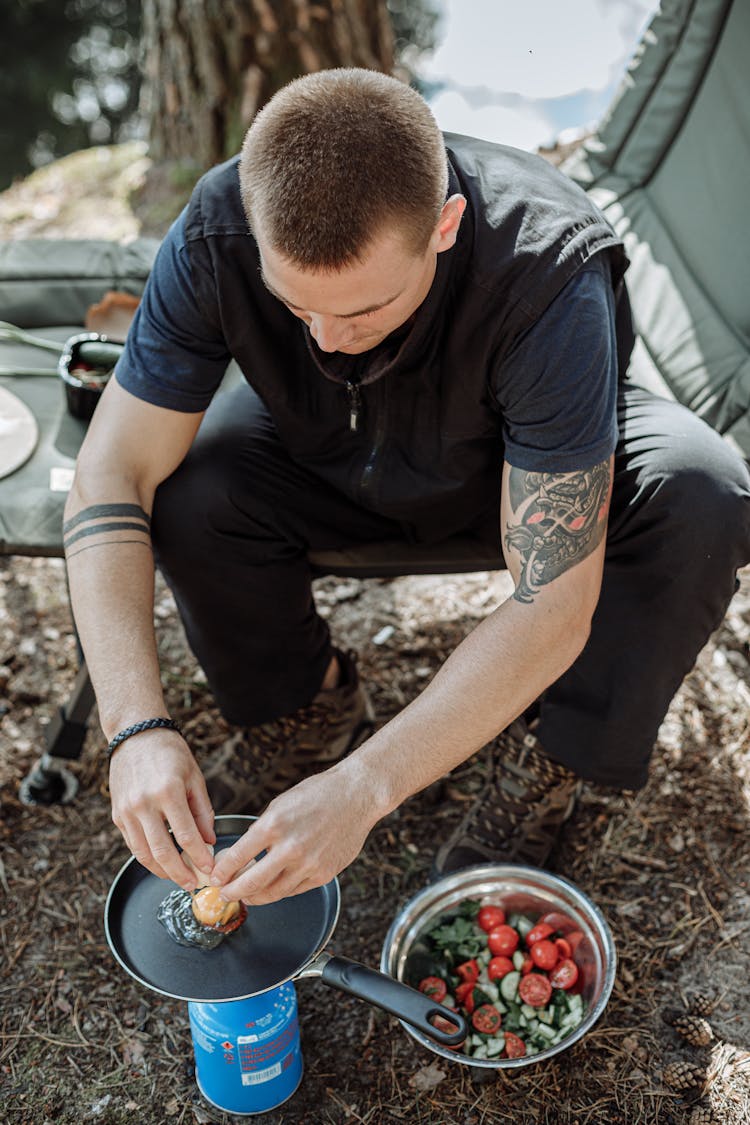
[{"x": 211, "y": 64}]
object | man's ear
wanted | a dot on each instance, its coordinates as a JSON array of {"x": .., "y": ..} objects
[{"x": 446, "y": 231}]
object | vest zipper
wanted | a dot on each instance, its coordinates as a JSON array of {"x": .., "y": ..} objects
[
  {"x": 355, "y": 404},
  {"x": 372, "y": 468}
]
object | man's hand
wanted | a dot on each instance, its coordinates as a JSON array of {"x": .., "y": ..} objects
[
  {"x": 309, "y": 834},
  {"x": 155, "y": 782}
]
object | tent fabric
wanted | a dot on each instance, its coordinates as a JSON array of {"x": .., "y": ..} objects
[{"x": 670, "y": 168}]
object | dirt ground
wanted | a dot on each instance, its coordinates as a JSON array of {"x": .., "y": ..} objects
[
  {"x": 669, "y": 866},
  {"x": 80, "y": 1041}
]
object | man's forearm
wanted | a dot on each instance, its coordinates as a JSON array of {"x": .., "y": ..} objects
[
  {"x": 504, "y": 664},
  {"x": 111, "y": 577}
]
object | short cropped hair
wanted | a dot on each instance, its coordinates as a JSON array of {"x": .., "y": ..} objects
[{"x": 334, "y": 158}]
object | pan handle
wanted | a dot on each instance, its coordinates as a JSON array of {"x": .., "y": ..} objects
[{"x": 392, "y": 996}]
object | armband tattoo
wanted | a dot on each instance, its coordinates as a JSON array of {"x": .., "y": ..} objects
[{"x": 99, "y": 521}]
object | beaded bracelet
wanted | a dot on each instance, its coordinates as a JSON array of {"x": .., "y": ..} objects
[{"x": 147, "y": 724}]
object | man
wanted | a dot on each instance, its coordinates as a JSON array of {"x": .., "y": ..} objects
[{"x": 434, "y": 334}]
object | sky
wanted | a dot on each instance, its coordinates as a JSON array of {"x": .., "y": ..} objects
[{"x": 523, "y": 72}]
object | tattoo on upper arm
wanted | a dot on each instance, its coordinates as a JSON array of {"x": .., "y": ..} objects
[
  {"x": 99, "y": 521},
  {"x": 560, "y": 518}
]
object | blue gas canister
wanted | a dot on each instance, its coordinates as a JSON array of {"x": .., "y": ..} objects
[{"x": 248, "y": 1057}]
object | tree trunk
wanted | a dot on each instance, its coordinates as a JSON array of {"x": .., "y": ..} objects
[{"x": 211, "y": 64}]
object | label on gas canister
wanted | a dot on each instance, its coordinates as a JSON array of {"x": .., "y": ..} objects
[{"x": 254, "y": 1052}]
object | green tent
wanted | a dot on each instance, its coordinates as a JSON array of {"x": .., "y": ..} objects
[{"x": 670, "y": 168}]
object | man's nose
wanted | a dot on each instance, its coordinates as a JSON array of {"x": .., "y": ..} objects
[{"x": 329, "y": 332}]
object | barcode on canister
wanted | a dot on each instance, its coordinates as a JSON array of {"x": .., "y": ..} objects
[{"x": 253, "y": 1077}]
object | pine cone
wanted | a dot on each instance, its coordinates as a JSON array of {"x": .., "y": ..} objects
[
  {"x": 702, "y": 1004},
  {"x": 702, "y": 1115},
  {"x": 695, "y": 1029},
  {"x": 672, "y": 1015},
  {"x": 684, "y": 1075}
]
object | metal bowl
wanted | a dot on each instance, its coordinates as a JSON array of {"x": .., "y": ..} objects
[{"x": 526, "y": 890}]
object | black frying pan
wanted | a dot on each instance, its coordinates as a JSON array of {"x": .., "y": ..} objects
[{"x": 279, "y": 942}]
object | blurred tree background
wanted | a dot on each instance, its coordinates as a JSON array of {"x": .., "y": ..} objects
[{"x": 187, "y": 76}]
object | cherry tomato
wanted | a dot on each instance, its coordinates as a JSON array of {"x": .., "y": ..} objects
[
  {"x": 540, "y": 931},
  {"x": 469, "y": 970},
  {"x": 489, "y": 917},
  {"x": 515, "y": 1048},
  {"x": 558, "y": 921},
  {"x": 434, "y": 987},
  {"x": 465, "y": 996},
  {"x": 527, "y": 966},
  {"x": 487, "y": 1019},
  {"x": 445, "y": 1025},
  {"x": 574, "y": 939},
  {"x": 564, "y": 975},
  {"x": 563, "y": 948},
  {"x": 535, "y": 990},
  {"x": 503, "y": 941},
  {"x": 499, "y": 967},
  {"x": 544, "y": 954}
]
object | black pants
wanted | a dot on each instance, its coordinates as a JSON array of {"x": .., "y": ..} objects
[{"x": 232, "y": 527}]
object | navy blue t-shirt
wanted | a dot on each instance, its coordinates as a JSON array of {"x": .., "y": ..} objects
[{"x": 556, "y": 391}]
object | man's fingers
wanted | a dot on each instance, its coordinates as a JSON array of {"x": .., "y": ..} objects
[
  {"x": 250, "y": 883},
  {"x": 190, "y": 838},
  {"x": 203, "y": 813},
  {"x": 138, "y": 845},
  {"x": 165, "y": 855},
  {"x": 285, "y": 885},
  {"x": 230, "y": 861}
]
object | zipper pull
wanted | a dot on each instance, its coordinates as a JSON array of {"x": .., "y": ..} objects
[{"x": 355, "y": 404}]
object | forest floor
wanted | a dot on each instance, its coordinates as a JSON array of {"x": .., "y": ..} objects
[{"x": 669, "y": 866}]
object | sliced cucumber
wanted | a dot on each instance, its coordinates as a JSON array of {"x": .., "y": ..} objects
[
  {"x": 495, "y": 1046},
  {"x": 559, "y": 1006},
  {"x": 518, "y": 959},
  {"x": 575, "y": 1003},
  {"x": 509, "y": 986},
  {"x": 510, "y": 1022},
  {"x": 490, "y": 989},
  {"x": 521, "y": 923},
  {"x": 570, "y": 1021}
]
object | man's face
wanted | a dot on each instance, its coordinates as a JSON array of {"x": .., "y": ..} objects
[{"x": 355, "y": 308}]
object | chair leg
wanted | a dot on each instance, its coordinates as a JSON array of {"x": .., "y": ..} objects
[{"x": 48, "y": 782}]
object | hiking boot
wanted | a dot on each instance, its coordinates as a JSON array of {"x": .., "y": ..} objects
[
  {"x": 518, "y": 816},
  {"x": 258, "y": 763}
]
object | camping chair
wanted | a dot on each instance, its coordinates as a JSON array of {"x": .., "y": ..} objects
[{"x": 669, "y": 167}]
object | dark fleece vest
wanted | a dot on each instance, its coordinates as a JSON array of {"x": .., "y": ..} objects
[{"x": 427, "y": 446}]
